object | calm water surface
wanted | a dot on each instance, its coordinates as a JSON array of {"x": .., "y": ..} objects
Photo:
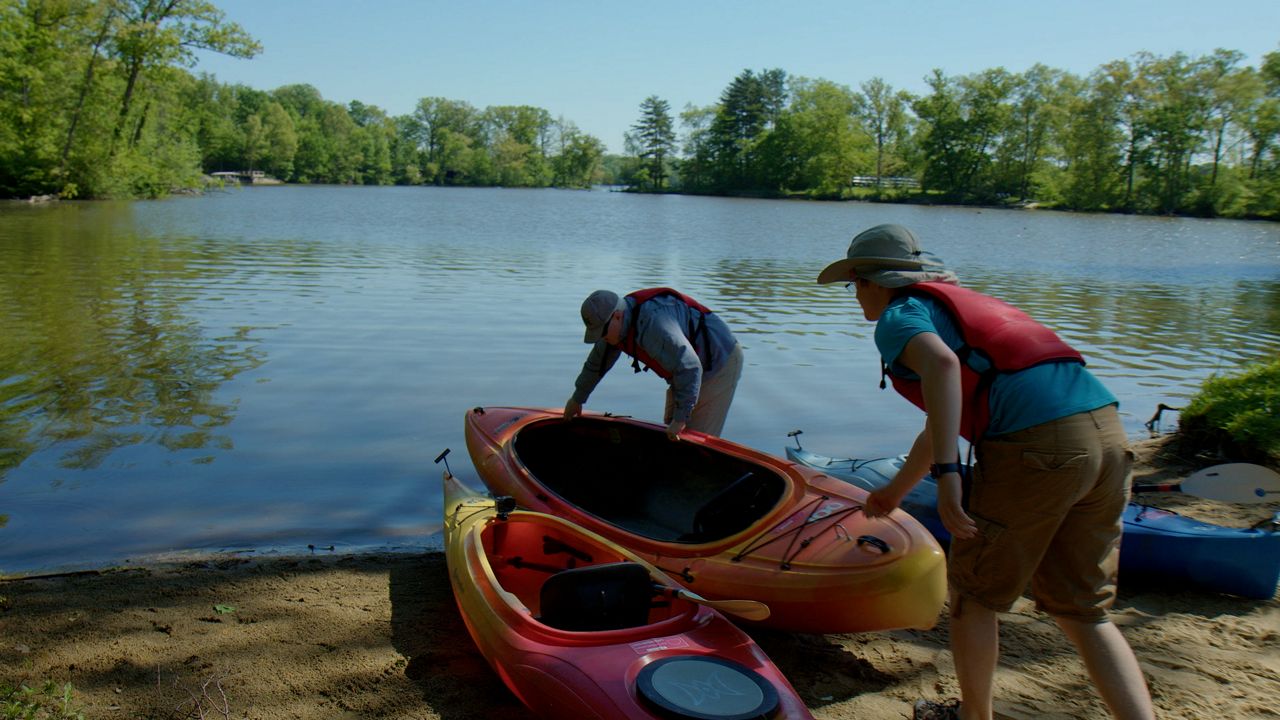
[{"x": 269, "y": 369}]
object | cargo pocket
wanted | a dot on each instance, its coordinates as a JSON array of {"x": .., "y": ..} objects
[
  {"x": 1055, "y": 479},
  {"x": 979, "y": 567}
]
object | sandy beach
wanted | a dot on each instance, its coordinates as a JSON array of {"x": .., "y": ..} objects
[{"x": 379, "y": 636}]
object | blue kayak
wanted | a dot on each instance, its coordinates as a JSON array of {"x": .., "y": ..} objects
[{"x": 1158, "y": 545}]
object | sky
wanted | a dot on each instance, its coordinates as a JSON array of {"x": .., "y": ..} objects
[{"x": 593, "y": 62}]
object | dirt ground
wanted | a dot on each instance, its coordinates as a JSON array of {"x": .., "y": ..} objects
[{"x": 379, "y": 636}]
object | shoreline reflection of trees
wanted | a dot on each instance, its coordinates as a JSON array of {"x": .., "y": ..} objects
[{"x": 101, "y": 354}]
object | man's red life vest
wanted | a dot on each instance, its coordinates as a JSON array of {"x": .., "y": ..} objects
[
  {"x": 998, "y": 338},
  {"x": 629, "y": 345}
]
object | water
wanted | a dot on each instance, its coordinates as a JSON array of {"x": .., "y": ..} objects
[{"x": 268, "y": 369}]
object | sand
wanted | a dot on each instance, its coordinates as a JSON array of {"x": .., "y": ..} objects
[{"x": 378, "y": 636}]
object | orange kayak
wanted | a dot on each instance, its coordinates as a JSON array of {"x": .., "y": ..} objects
[
  {"x": 578, "y": 627},
  {"x": 722, "y": 519}
]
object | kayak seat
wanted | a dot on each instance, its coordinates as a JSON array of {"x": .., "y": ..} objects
[
  {"x": 611, "y": 596},
  {"x": 733, "y": 509}
]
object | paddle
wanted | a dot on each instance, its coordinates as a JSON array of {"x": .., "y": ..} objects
[
  {"x": 1232, "y": 482},
  {"x": 749, "y": 609}
]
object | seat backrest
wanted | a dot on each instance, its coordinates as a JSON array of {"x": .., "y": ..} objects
[
  {"x": 611, "y": 596},
  {"x": 733, "y": 509}
]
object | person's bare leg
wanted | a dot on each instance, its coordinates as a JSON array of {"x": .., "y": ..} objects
[
  {"x": 975, "y": 643},
  {"x": 1112, "y": 666}
]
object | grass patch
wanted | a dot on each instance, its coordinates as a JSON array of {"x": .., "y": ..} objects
[
  {"x": 48, "y": 702},
  {"x": 1236, "y": 417}
]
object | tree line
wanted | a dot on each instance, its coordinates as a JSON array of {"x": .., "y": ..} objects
[
  {"x": 1179, "y": 134},
  {"x": 97, "y": 100}
]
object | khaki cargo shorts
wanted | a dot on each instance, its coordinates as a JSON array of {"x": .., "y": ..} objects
[{"x": 1048, "y": 502}]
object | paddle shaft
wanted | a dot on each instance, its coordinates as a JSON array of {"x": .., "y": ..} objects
[
  {"x": 749, "y": 609},
  {"x": 1260, "y": 493},
  {"x": 1159, "y": 488}
]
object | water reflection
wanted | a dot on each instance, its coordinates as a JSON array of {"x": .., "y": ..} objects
[{"x": 100, "y": 349}]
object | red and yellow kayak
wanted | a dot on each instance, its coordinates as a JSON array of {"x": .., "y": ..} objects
[
  {"x": 724, "y": 520},
  {"x": 578, "y": 627}
]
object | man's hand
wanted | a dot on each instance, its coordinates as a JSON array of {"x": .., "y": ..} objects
[
  {"x": 954, "y": 518},
  {"x": 572, "y": 409},
  {"x": 674, "y": 429},
  {"x": 881, "y": 502}
]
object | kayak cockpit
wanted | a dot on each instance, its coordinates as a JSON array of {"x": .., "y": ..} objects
[
  {"x": 636, "y": 478},
  {"x": 569, "y": 583}
]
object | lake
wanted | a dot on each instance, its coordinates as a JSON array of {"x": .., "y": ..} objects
[{"x": 275, "y": 369}]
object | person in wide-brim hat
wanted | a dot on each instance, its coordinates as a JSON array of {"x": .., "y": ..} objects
[{"x": 1042, "y": 507}]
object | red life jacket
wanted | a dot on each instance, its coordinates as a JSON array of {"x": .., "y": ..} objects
[
  {"x": 629, "y": 345},
  {"x": 997, "y": 338}
]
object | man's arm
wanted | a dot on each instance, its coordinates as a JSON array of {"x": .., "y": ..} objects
[{"x": 599, "y": 361}]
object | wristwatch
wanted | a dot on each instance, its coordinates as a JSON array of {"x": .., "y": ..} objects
[{"x": 937, "y": 470}]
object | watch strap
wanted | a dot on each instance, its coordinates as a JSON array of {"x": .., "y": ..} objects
[{"x": 937, "y": 470}]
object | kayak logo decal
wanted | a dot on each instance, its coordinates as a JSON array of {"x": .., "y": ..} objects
[{"x": 644, "y": 647}]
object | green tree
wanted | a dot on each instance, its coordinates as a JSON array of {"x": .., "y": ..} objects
[
  {"x": 1093, "y": 145},
  {"x": 160, "y": 33},
  {"x": 342, "y": 138},
  {"x": 578, "y": 159},
  {"x": 102, "y": 16},
  {"x": 375, "y": 134},
  {"x": 281, "y": 141},
  {"x": 1231, "y": 95},
  {"x": 697, "y": 150},
  {"x": 1035, "y": 111},
  {"x": 442, "y": 130},
  {"x": 1262, "y": 126},
  {"x": 1172, "y": 117},
  {"x": 329, "y": 147},
  {"x": 1232, "y": 91},
  {"x": 961, "y": 121},
  {"x": 255, "y": 142},
  {"x": 817, "y": 144},
  {"x": 42, "y": 50},
  {"x": 749, "y": 108},
  {"x": 406, "y": 163},
  {"x": 652, "y": 139},
  {"x": 884, "y": 116},
  {"x": 219, "y": 125},
  {"x": 518, "y": 138}
]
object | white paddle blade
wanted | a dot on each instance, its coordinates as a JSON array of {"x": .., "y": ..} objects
[{"x": 1234, "y": 482}]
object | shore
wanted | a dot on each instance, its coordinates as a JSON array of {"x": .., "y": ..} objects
[{"x": 379, "y": 636}]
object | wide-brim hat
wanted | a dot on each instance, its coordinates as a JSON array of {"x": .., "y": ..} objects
[{"x": 883, "y": 247}]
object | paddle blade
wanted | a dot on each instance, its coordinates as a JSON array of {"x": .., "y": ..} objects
[
  {"x": 748, "y": 609},
  {"x": 1231, "y": 482}
]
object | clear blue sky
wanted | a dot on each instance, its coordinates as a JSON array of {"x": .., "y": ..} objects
[{"x": 593, "y": 62}]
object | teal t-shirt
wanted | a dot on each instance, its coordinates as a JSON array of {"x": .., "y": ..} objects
[{"x": 1020, "y": 399}]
